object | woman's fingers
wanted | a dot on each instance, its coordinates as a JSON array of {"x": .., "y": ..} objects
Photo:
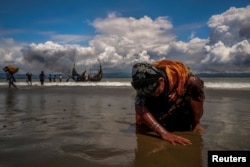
[{"x": 174, "y": 139}]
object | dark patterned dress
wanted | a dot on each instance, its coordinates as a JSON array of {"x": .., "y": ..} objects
[{"x": 177, "y": 115}]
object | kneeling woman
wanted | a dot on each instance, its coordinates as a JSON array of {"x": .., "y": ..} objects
[{"x": 169, "y": 98}]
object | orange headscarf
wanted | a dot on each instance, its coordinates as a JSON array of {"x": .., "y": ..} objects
[{"x": 177, "y": 74}]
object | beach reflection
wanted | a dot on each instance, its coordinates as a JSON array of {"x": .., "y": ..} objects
[
  {"x": 10, "y": 100},
  {"x": 152, "y": 151}
]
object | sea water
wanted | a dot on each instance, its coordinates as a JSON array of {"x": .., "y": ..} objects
[
  {"x": 209, "y": 83},
  {"x": 93, "y": 124}
]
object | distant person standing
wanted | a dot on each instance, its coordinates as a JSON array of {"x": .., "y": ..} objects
[
  {"x": 11, "y": 79},
  {"x": 60, "y": 78},
  {"x": 54, "y": 78},
  {"x": 67, "y": 80},
  {"x": 42, "y": 77},
  {"x": 50, "y": 77},
  {"x": 29, "y": 78}
]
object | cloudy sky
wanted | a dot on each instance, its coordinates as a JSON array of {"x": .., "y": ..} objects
[{"x": 207, "y": 35}]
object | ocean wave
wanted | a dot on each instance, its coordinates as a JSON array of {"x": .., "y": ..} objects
[
  {"x": 213, "y": 85},
  {"x": 224, "y": 85},
  {"x": 106, "y": 83}
]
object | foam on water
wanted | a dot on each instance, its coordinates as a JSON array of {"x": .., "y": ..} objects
[
  {"x": 106, "y": 83},
  {"x": 224, "y": 85},
  {"x": 209, "y": 83}
]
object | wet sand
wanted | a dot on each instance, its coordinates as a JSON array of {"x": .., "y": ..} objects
[{"x": 94, "y": 126}]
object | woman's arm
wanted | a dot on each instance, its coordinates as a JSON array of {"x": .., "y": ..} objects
[
  {"x": 197, "y": 100},
  {"x": 148, "y": 119},
  {"x": 197, "y": 107}
]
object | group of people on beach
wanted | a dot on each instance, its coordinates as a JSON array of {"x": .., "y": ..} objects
[
  {"x": 53, "y": 78},
  {"x": 11, "y": 78}
]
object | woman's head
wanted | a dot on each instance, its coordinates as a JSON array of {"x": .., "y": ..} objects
[{"x": 147, "y": 79}]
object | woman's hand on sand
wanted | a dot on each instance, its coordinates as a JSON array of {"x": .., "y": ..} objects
[{"x": 175, "y": 139}]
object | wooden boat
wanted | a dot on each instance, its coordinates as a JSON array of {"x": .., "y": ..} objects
[{"x": 85, "y": 76}]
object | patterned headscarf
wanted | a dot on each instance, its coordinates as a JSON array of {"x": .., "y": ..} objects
[{"x": 145, "y": 79}]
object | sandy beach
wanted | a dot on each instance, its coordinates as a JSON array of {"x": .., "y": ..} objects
[{"x": 94, "y": 126}]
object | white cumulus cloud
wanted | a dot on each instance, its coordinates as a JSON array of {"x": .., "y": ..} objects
[
  {"x": 228, "y": 47},
  {"x": 121, "y": 41}
]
